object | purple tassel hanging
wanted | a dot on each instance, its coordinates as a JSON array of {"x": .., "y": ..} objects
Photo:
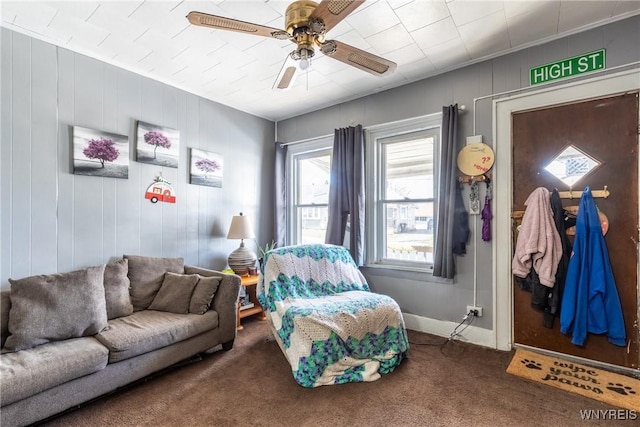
[{"x": 486, "y": 214}]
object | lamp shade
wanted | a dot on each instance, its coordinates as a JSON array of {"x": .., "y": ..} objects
[
  {"x": 240, "y": 228},
  {"x": 242, "y": 258}
]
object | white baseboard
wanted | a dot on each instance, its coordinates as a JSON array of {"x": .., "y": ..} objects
[{"x": 443, "y": 328}]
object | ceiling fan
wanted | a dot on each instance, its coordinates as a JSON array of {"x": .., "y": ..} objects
[{"x": 306, "y": 24}]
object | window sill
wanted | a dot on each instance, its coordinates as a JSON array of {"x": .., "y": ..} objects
[{"x": 402, "y": 272}]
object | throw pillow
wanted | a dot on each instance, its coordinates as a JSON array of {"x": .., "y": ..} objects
[
  {"x": 116, "y": 289},
  {"x": 56, "y": 307},
  {"x": 175, "y": 293},
  {"x": 203, "y": 294},
  {"x": 146, "y": 275}
]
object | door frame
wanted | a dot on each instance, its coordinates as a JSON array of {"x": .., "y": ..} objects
[{"x": 602, "y": 86}]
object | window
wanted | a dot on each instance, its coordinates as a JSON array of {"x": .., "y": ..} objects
[
  {"x": 309, "y": 164},
  {"x": 401, "y": 191}
]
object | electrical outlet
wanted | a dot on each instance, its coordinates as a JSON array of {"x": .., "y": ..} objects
[{"x": 476, "y": 310}]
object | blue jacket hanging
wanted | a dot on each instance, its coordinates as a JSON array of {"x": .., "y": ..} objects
[{"x": 590, "y": 302}]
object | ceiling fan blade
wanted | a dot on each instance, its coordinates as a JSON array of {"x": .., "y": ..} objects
[
  {"x": 287, "y": 75},
  {"x": 358, "y": 58},
  {"x": 331, "y": 12},
  {"x": 222, "y": 23}
]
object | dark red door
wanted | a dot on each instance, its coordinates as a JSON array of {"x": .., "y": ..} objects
[{"x": 605, "y": 129}]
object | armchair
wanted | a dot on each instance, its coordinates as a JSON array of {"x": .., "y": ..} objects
[{"x": 331, "y": 328}]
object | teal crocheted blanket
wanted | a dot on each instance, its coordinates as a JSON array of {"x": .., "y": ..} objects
[{"x": 330, "y": 326}]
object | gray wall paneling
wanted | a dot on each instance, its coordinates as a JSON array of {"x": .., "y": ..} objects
[
  {"x": 426, "y": 296},
  {"x": 6, "y": 119},
  {"x": 54, "y": 221},
  {"x": 21, "y": 155}
]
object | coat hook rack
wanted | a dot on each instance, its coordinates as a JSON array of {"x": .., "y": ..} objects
[
  {"x": 603, "y": 194},
  {"x": 467, "y": 179}
]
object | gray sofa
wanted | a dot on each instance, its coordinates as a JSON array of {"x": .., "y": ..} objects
[{"x": 68, "y": 338}]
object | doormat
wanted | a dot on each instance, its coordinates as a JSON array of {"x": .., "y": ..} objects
[{"x": 615, "y": 389}]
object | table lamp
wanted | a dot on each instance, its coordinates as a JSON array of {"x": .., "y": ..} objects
[{"x": 242, "y": 258}]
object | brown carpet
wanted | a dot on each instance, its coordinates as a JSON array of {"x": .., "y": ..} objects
[
  {"x": 452, "y": 385},
  {"x": 618, "y": 390}
]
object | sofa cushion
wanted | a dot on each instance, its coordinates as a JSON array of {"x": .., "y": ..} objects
[
  {"x": 146, "y": 275},
  {"x": 54, "y": 307},
  {"x": 148, "y": 330},
  {"x": 175, "y": 293},
  {"x": 203, "y": 294},
  {"x": 25, "y": 373},
  {"x": 116, "y": 289}
]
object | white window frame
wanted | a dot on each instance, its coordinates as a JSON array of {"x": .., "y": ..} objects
[
  {"x": 300, "y": 151},
  {"x": 375, "y": 227}
]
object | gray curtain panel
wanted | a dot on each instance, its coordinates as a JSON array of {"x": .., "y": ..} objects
[
  {"x": 444, "y": 260},
  {"x": 346, "y": 191},
  {"x": 280, "y": 205}
]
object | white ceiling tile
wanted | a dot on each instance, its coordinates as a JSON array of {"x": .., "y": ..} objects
[
  {"x": 575, "y": 14},
  {"x": 435, "y": 34},
  {"x": 107, "y": 19},
  {"x": 232, "y": 57},
  {"x": 485, "y": 33},
  {"x": 184, "y": 7},
  {"x": 343, "y": 27},
  {"x": 159, "y": 43},
  {"x": 546, "y": 19},
  {"x": 240, "y": 41},
  {"x": 395, "y": 4},
  {"x": 623, "y": 7},
  {"x": 373, "y": 19},
  {"x": 389, "y": 40},
  {"x": 327, "y": 65},
  {"x": 125, "y": 51},
  {"x": 238, "y": 70},
  {"x": 201, "y": 38},
  {"x": 350, "y": 76},
  {"x": 76, "y": 30},
  {"x": 417, "y": 69},
  {"x": 258, "y": 13},
  {"x": 271, "y": 52},
  {"x": 448, "y": 54},
  {"x": 25, "y": 15},
  {"x": 122, "y": 9},
  {"x": 79, "y": 9},
  {"x": 158, "y": 15},
  {"x": 465, "y": 11},
  {"x": 405, "y": 55},
  {"x": 167, "y": 69},
  {"x": 6, "y": 15},
  {"x": 280, "y": 6},
  {"x": 532, "y": 8},
  {"x": 417, "y": 14},
  {"x": 354, "y": 39}
]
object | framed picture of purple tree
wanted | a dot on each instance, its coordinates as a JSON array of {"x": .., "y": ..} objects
[
  {"x": 157, "y": 145},
  {"x": 206, "y": 168},
  {"x": 98, "y": 153}
]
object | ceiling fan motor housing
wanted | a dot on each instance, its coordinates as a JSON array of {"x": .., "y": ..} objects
[
  {"x": 297, "y": 24},
  {"x": 297, "y": 14}
]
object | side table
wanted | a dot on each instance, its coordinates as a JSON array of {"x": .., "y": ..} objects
[{"x": 249, "y": 283}]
